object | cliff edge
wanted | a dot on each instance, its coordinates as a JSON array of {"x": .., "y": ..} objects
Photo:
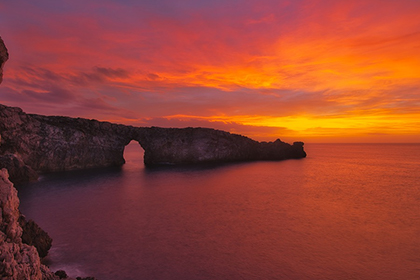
[{"x": 4, "y": 56}]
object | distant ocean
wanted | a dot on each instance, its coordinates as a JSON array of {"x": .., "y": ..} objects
[{"x": 347, "y": 211}]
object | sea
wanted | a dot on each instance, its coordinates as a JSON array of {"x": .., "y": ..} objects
[{"x": 346, "y": 211}]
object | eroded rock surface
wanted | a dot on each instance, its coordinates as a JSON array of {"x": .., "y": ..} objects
[
  {"x": 48, "y": 144},
  {"x": 35, "y": 236},
  {"x": 18, "y": 170},
  {"x": 17, "y": 260}
]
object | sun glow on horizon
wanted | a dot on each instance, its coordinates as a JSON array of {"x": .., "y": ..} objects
[{"x": 299, "y": 70}]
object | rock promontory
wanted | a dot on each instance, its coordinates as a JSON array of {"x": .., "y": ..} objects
[{"x": 35, "y": 143}]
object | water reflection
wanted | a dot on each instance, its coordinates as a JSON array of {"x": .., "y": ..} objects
[{"x": 342, "y": 213}]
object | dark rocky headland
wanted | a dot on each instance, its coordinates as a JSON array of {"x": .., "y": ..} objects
[{"x": 31, "y": 144}]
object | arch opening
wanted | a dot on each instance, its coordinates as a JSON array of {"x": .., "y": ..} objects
[{"x": 134, "y": 154}]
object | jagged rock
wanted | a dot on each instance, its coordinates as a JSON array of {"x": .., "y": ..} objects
[
  {"x": 61, "y": 274},
  {"x": 4, "y": 55},
  {"x": 35, "y": 236},
  {"x": 17, "y": 260},
  {"x": 52, "y": 143},
  {"x": 18, "y": 170}
]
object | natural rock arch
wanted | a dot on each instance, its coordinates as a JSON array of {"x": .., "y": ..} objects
[
  {"x": 133, "y": 152},
  {"x": 52, "y": 143}
]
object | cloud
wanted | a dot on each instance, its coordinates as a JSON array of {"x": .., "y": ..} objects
[
  {"x": 52, "y": 95},
  {"x": 98, "y": 75},
  {"x": 135, "y": 60}
]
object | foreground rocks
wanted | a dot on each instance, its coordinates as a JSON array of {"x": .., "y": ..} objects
[
  {"x": 17, "y": 260},
  {"x": 35, "y": 236},
  {"x": 35, "y": 143},
  {"x": 22, "y": 243}
]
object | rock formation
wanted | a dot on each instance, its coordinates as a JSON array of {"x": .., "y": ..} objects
[
  {"x": 4, "y": 55},
  {"x": 50, "y": 143},
  {"x": 197, "y": 145},
  {"x": 35, "y": 236},
  {"x": 17, "y": 260}
]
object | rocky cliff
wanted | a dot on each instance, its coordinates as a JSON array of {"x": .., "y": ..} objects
[
  {"x": 17, "y": 259},
  {"x": 47, "y": 144},
  {"x": 50, "y": 143},
  {"x": 197, "y": 145},
  {"x": 4, "y": 55}
]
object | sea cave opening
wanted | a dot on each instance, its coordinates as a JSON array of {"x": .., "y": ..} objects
[{"x": 134, "y": 154}]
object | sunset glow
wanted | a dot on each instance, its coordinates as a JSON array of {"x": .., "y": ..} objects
[{"x": 313, "y": 71}]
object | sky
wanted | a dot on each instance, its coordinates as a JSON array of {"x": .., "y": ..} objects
[{"x": 298, "y": 70}]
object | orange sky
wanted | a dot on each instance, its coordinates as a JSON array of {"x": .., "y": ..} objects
[{"x": 315, "y": 71}]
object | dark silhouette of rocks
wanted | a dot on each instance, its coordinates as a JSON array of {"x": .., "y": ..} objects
[
  {"x": 197, "y": 145},
  {"x": 61, "y": 274},
  {"x": 35, "y": 236},
  {"x": 53, "y": 143},
  {"x": 4, "y": 56},
  {"x": 18, "y": 170}
]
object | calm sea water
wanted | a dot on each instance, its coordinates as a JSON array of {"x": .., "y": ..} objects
[{"x": 347, "y": 211}]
